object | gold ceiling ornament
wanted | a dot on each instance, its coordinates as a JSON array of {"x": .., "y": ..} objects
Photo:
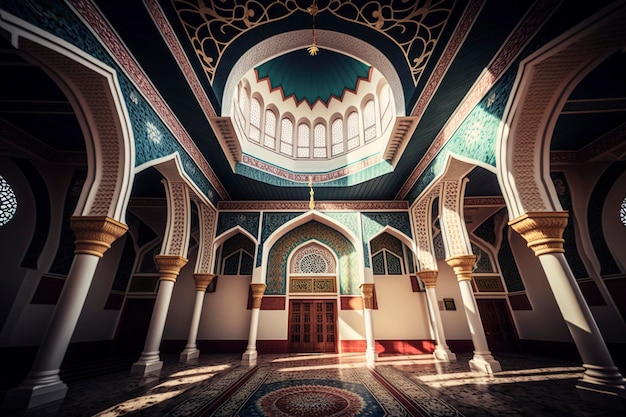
[
  {"x": 311, "y": 193},
  {"x": 312, "y": 9}
]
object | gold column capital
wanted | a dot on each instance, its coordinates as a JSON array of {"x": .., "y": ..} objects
[
  {"x": 94, "y": 234},
  {"x": 429, "y": 278},
  {"x": 257, "y": 294},
  {"x": 463, "y": 266},
  {"x": 169, "y": 266},
  {"x": 368, "y": 294},
  {"x": 542, "y": 230},
  {"x": 202, "y": 280}
]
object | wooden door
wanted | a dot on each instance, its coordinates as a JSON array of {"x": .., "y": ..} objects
[
  {"x": 312, "y": 326},
  {"x": 499, "y": 329}
]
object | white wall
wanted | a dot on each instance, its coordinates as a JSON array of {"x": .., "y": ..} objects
[{"x": 454, "y": 321}]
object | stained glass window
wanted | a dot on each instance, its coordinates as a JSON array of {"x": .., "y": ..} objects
[
  {"x": 369, "y": 121},
  {"x": 286, "y": 136},
  {"x": 319, "y": 141},
  {"x": 8, "y": 202},
  {"x": 303, "y": 141}
]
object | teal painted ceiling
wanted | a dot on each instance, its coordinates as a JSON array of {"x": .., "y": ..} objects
[{"x": 311, "y": 78}]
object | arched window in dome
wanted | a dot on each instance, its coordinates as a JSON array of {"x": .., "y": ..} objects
[
  {"x": 319, "y": 141},
  {"x": 337, "y": 137},
  {"x": 8, "y": 202},
  {"x": 255, "y": 120},
  {"x": 286, "y": 136},
  {"x": 385, "y": 105},
  {"x": 269, "y": 138},
  {"x": 304, "y": 139},
  {"x": 241, "y": 106},
  {"x": 369, "y": 121},
  {"x": 353, "y": 131}
]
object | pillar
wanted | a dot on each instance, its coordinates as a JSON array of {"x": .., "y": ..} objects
[
  {"x": 191, "y": 350},
  {"x": 370, "y": 342},
  {"x": 601, "y": 381},
  {"x": 250, "y": 355},
  {"x": 42, "y": 385},
  {"x": 482, "y": 361},
  {"x": 442, "y": 351},
  {"x": 169, "y": 268}
]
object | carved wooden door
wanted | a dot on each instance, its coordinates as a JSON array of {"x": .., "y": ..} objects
[
  {"x": 499, "y": 328},
  {"x": 312, "y": 326}
]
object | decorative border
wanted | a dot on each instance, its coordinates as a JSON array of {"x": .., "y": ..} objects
[{"x": 301, "y": 206}]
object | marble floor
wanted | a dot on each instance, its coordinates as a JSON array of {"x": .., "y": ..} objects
[{"x": 330, "y": 385}]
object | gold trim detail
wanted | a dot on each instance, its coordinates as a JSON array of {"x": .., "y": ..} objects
[
  {"x": 257, "y": 294},
  {"x": 203, "y": 281},
  {"x": 463, "y": 266},
  {"x": 429, "y": 278},
  {"x": 169, "y": 266},
  {"x": 368, "y": 294},
  {"x": 94, "y": 234},
  {"x": 542, "y": 230},
  {"x": 312, "y": 285}
]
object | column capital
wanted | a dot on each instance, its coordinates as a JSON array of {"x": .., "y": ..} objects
[
  {"x": 429, "y": 278},
  {"x": 94, "y": 234},
  {"x": 257, "y": 294},
  {"x": 202, "y": 280},
  {"x": 463, "y": 266},
  {"x": 368, "y": 293},
  {"x": 542, "y": 230},
  {"x": 169, "y": 266}
]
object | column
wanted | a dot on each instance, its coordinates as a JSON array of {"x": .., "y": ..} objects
[
  {"x": 169, "y": 268},
  {"x": 602, "y": 381},
  {"x": 250, "y": 355},
  {"x": 370, "y": 343},
  {"x": 191, "y": 350},
  {"x": 442, "y": 351},
  {"x": 43, "y": 385},
  {"x": 482, "y": 361}
]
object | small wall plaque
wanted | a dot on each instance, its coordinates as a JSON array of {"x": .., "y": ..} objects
[{"x": 449, "y": 303}]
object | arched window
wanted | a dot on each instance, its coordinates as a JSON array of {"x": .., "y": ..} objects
[
  {"x": 255, "y": 120},
  {"x": 242, "y": 104},
  {"x": 286, "y": 136},
  {"x": 304, "y": 133},
  {"x": 269, "y": 139},
  {"x": 385, "y": 104},
  {"x": 319, "y": 141},
  {"x": 369, "y": 121},
  {"x": 353, "y": 130},
  {"x": 337, "y": 137},
  {"x": 8, "y": 202}
]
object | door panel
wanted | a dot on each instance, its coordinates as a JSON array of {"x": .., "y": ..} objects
[
  {"x": 312, "y": 325},
  {"x": 499, "y": 329}
]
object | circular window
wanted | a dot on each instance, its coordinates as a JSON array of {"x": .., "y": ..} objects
[
  {"x": 622, "y": 212},
  {"x": 8, "y": 202}
]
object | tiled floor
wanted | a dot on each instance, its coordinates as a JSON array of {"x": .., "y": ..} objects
[{"x": 220, "y": 385}]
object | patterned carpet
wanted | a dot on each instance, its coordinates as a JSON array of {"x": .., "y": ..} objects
[{"x": 282, "y": 389}]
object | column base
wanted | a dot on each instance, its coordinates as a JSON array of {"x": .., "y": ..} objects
[
  {"x": 148, "y": 362},
  {"x": 371, "y": 357},
  {"x": 39, "y": 388},
  {"x": 444, "y": 354},
  {"x": 249, "y": 357},
  {"x": 603, "y": 385},
  {"x": 189, "y": 354},
  {"x": 484, "y": 363}
]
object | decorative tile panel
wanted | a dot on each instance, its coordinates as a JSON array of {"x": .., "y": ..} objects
[
  {"x": 246, "y": 220},
  {"x": 271, "y": 222}
]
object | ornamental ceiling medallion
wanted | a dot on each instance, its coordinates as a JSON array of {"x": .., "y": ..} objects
[{"x": 414, "y": 26}]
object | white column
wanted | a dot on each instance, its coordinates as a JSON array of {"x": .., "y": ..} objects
[
  {"x": 482, "y": 361},
  {"x": 370, "y": 341},
  {"x": 169, "y": 267},
  {"x": 442, "y": 351},
  {"x": 250, "y": 355},
  {"x": 602, "y": 382},
  {"x": 43, "y": 385},
  {"x": 191, "y": 350}
]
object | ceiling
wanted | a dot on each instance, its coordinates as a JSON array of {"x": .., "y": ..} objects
[{"x": 595, "y": 107}]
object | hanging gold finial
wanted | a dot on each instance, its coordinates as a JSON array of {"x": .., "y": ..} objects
[
  {"x": 312, "y": 9},
  {"x": 311, "y": 193}
]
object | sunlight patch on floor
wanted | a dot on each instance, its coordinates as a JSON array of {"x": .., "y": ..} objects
[{"x": 504, "y": 377}]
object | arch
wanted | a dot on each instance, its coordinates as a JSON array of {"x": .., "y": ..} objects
[
  {"x": 543, "y": 84},
  {"x": 329, "y": 256},
  {"x": 408, "y": 242},
  {"x": 96, "y": 97},
  {"x": 289, "y": 41},
  {"x": 299, "y": 221}
]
